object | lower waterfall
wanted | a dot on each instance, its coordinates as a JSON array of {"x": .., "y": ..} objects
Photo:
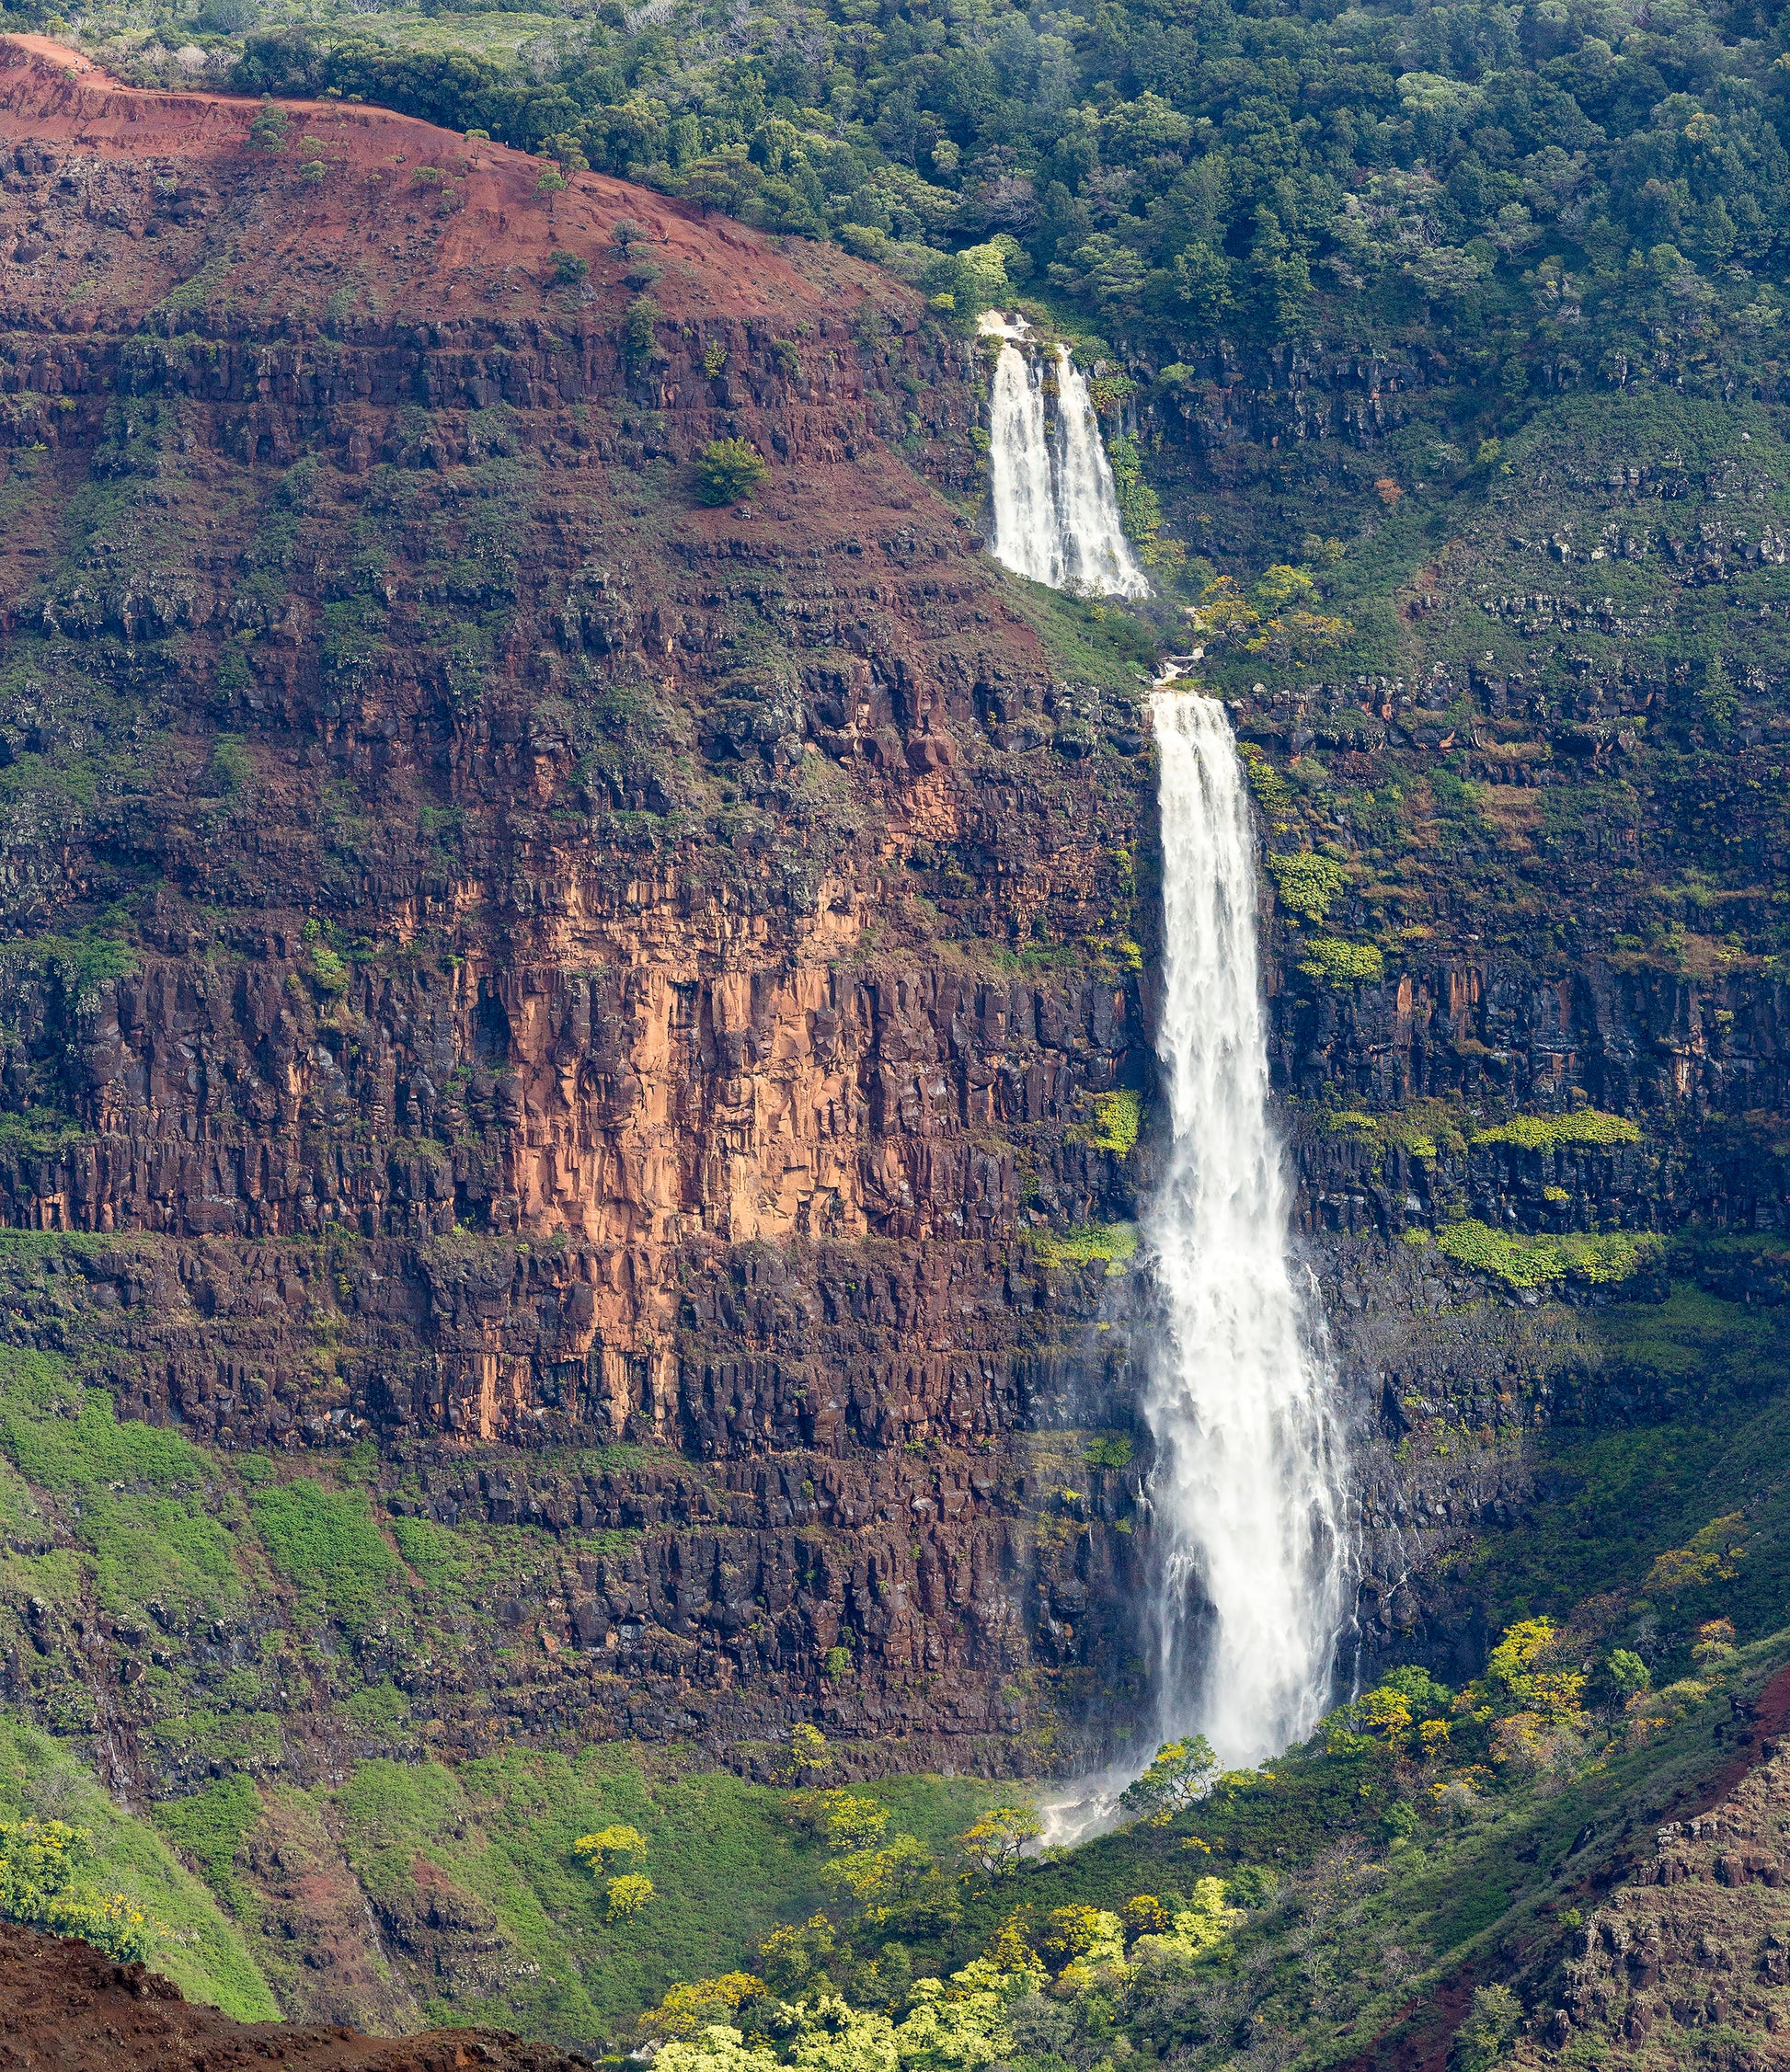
[
  {"x": 1247, "y": 1512},
  {"x": 1056, "y": 514}
]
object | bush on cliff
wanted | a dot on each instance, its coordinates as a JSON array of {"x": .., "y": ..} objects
[{"x": 728, "y": 470}]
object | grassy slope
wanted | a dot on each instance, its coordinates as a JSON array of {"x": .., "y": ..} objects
[
  {"x": 725, "y": 1867},
  {"x": 200, "y": 1948}
]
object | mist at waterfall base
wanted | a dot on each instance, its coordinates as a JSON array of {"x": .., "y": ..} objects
[
  {"x": 1055, "y": 509},
  {"x": 1246, "y": 1519}
]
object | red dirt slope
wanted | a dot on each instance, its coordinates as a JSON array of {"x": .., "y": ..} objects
[
  {"x": 472, "y": 229},
  {"x": 64, "y": 2007}
]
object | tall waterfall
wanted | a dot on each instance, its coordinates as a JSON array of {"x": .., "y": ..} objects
[
  {"x": 1056, "y": 517},
  {"x": 1247, "y": 1511}
]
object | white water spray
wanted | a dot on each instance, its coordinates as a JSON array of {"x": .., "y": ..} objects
[
  {"x": 1245, "y": 1497},
  {"x": 1056, "y": 514},
  {"x": 1248, "y": 1522}
]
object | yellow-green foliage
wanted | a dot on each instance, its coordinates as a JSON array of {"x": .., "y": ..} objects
[
  {"x": 1114, "y": 1120},
  {"x": 729, "y": 469},
  {"x": 1273, "y": 794},
  {"x": 628, "y": 1895},
  {"x": 1114, "y": 1242},
  {"x": 124, "y": 1871},
  {"x": 1589, "y": 1126},
  {"x": 46, "y": 1881},
  {"x": 594, "y": 1850},
  {"x": 1712, "y": 1555},
  {"x": 1351, "y": 1122},
  {"x": 1307, "y": 882},
  {"x": 1532, "y": 1262},
  {"x": 1338, "y": 963}
]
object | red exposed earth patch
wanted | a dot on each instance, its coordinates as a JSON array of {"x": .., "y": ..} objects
[
  {"x": 434, "y": 244},
  {"x": 65, "y": 2008}
]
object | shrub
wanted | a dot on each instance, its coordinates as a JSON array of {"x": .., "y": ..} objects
[
  {"x": 551, "y": 182},
  {"x": 594, "y": 1850},
  {"x": 1306, "y": 883},
  {"x": 315, "y": 171},
  {"x": 229, "y": 770},
  {"x": 43, "y": 1885},
  {"x": 639, "y": 338},
  {"x": 568, "y": 269},
  {"x": 1113, "y": 1123},
  {"x": 628, "y": 1895},
  {"x": 1589, "y": 1126},
  {"x": 730, "y": 470},
  {"x": 1533, "y": 1262},
  {"x": 1482, "y": 2037},
  {"x": 1338, "y": 963},
  {"x": 1113, "y": 1242},
  {"x": 271, "y": 128}
]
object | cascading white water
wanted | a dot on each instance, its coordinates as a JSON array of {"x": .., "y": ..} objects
[
  {"x": 1245, "y": 1494},
  {"x": 1056, "y": 514}
]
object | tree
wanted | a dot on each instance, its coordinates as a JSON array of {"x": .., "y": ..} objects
[
  {"x": 808, "y": 1754},
  {"x": 730, "y": 470},
  {"x": 44, "y": 1884},
  {"x": 628, "y": 1895},
  {"x": 269, "y": 129},
  {"x": 595, "y": 1851},
  {"x": 1481, "y": 2039},
  {"x": 993, "y": 1844},
  {"x": 1178, "y": 1773}
]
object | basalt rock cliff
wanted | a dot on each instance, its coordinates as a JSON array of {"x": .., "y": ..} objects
[{"x": 516, "y": 966}]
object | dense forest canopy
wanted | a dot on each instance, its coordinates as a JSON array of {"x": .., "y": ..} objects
[{"x": 1558, "y": 191}]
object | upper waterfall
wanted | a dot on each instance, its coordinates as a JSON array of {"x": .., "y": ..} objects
[
  {"x": 1056, "y": 516},
  {"x": 1246, "y": 1490}
]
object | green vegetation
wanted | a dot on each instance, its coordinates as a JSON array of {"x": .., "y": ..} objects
[
  {"x": 1510, "y": 189},
  {"x": 1408, "y": 1837},
  {"x": 326, "y": 1542},
  {"x": 45, "y": 1883},
  {"x": 1589, "y": 1126},
  {"x": 271, "y": 128},
  {"x": 1307, "y": 882},
  {"x": 1114, "y": 1244},
  {"x": 1338, "y": 963},
  {"x": 728, "y": 470},
  {"x": 125, "y": 1868},
  {"x": 1532, "y": 1262},
  {"x": 1113, "y": 1122}
]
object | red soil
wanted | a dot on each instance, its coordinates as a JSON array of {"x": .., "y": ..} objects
[
  {"x": 368, "y": 213},
  {"x": 64, "y": 2007}
]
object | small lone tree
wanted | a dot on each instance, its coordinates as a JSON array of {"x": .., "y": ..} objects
[
  {"x": 270, "y": 127},
  {"x": 993, "y": 1844},
  {"x": 628, "y": 1895},
  {"x": 1178, "y": 1774},
  {"x": 808, "y": 1754},
  {"x": 730, "y": 470},
  {"x": 594, "y": 1851},
  {"x": 568, "y": 269}
]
